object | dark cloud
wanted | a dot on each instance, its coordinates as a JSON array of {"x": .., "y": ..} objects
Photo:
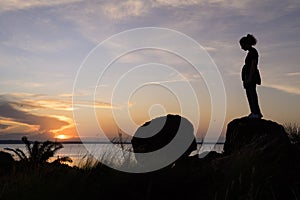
[
  {"x": 30, "y": 136},
  {"x": 17, "y": 100},
  {"x": 46, "y": 124},
  {"x": 12, "y": 136},
  {"x": 3, "y": 126}
]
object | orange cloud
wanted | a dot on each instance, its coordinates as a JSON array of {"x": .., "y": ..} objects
[
  {"x": 32, "y": 114},
  {"x": 23, "y": 121}
]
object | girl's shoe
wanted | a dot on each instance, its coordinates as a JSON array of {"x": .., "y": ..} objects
[{"x": 255, "y": 116}]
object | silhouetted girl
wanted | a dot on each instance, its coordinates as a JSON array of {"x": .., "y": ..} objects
[{"x": 250, "y": 74}]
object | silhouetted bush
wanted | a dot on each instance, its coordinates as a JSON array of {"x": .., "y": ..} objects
[
  {"x": 38, "y": 153},
  {"x": 6, "y": 161},
  {"x": 293, "y": 131}
]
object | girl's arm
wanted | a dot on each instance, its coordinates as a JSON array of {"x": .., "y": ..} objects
[{"x": 253, "y": 68}]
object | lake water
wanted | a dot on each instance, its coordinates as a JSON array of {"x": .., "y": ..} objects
[{"x": 79, "y": 152}]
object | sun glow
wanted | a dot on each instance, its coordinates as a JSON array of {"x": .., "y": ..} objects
[{"x": 61, "y": 137}]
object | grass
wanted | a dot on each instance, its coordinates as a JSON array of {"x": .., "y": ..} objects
[{"x": 293, "y": 131}]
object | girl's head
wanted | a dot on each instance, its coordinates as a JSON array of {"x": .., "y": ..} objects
[{"x": 247, "y": 42}]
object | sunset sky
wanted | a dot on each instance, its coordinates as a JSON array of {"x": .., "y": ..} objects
[{"x": 43, "y": 44}]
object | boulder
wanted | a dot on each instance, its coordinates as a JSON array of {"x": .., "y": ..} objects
[
  {"x": 259, "y": 162},
  {"x": 159, "y": 132},
  {"x": 254, "y": 133}
]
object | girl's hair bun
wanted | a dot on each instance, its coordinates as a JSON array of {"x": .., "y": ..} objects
[{"x": 251, "y": 39}]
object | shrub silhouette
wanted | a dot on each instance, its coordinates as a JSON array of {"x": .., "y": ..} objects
[
  {"x": 38, "y": 153},
  {"x": 293, "y": 131},
  {"x": 6, "y": 161}
]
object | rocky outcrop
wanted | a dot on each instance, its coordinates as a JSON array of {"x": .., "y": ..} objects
[
  {"x": 256, "y": 134},
  {"x": 258, "y": 162},
  {"x": 159, "y": 132}
]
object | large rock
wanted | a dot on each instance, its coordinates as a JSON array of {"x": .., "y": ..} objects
[
  {"x": 259, "y": 162},
  {"x": 159, "y": 132},
  {"x": 254, "y": 133}
]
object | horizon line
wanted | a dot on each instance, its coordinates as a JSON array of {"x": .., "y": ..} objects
[{"x": 90, "y": 142}]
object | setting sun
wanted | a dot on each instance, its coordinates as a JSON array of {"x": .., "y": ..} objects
[{"x": 61, "y": 137}]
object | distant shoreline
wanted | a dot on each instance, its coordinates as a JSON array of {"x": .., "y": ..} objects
[{"x": 85, "y": 142}]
